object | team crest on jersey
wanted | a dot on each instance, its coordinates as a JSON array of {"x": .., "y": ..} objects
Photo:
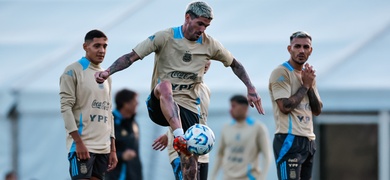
[
  {"x": 293, "y": 174},
  {"x": 83, "y": 168},
  {"x": 187, "y": 56}
]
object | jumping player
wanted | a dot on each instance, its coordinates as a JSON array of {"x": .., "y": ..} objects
[
  {"x": 166, "y": 140},
  {"x": 180, "y": 57}
]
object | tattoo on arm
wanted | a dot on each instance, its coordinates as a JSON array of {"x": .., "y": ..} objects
[
  {"x": 122, "y": 63},
  {"x": 240, "y": 72},
  {"x": 291, "y": 103},
  {"x": 314, "y": 102}
]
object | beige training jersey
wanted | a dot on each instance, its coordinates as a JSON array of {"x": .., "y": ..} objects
[
  {"x": 203, "y": 93},
  {"x": 181, "y": 61},
  {"x": 239, "y": 147},
  {"x": 86, "y": 107},
  {"x": 283, "y": 83}
]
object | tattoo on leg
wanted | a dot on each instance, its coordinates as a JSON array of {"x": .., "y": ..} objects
[{"x": 189, "y": 167}]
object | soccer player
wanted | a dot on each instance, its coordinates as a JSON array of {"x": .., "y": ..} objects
[
  {"x": 127, "y": 137},
  {"x": 241, "y": 143},
  {"x": 295, "y": 100},
  {"x": 180, "y": 57},
  {"x": 86, "y": 110},
  {"x": 166, "y": 140}
]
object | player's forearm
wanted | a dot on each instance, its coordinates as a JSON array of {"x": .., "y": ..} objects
[
  {"x": 314, "y": 102},
  {"x": 69, "y": 120},
  {"x": 289, "y": 104},
  {"x": 241, "y": 73},
  {"x": 123, "y": 62},
  {"x": 113, "y": 148},
  {"x": 76, "y": 137}
]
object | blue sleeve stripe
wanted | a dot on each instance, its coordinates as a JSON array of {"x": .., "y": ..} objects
[
  {"x": 288, "y": 66},
  {"x": 177, "y": 33},
  {"x": 84, "y": 63}
]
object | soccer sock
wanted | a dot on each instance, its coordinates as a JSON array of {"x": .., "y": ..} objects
[{"x": 178, "y": 132}]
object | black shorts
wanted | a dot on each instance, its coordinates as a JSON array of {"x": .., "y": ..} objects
[
  {"x": 95, "y": 166},
  {"x": 294, "y": 156},
  {"x": 188, "y": 118},
  {"x": 203, "y": 169}
]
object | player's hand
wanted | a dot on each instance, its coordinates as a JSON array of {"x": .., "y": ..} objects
[
  {"x": 160, "y": 143},
  {"x": 308, "y": 76},
  {"x": 101, "y": 76},
  {"x": 82, "y": 151},
  {"x": 254, "y": 100},
  {"x": 112, "y": 161},
  {"x": 129, "y": 154}
]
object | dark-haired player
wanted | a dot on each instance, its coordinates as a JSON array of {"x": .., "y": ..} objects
[{"x": 86, "y": 110}]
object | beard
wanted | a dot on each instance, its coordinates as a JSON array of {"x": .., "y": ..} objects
[{"x": 299, "y": 62}]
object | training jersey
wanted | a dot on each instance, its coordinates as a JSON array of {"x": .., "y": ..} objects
[
  {"x": 239, "y": 147},
  {"x": 86, "y": 107},
  {"x": 283, "y": 83},
  {"x": 181, "y": 62},
  {"x": 203, "y": 93}
]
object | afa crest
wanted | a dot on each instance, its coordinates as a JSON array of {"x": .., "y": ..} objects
[
  {"x": 83, "y": 168},
  {"x": 187, "y": 56}
]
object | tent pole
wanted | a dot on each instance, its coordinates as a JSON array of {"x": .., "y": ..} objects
[{"x": 383, "y": 154}]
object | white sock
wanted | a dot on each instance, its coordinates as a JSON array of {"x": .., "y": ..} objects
[{"x": 178, "y": 132}]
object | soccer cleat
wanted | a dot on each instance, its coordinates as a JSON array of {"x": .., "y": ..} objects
[{"x": 180, "y": 145}]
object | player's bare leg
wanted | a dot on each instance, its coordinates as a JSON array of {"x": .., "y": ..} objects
[
  {"x": 169, "y": 108},
  {"x": 189, "y": 167}
]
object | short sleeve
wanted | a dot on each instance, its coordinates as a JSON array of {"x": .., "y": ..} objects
[
  {"x": 220, "y": 53},
  {"x": 151, "y": 44},
  {"x": 280, "y": 84}
]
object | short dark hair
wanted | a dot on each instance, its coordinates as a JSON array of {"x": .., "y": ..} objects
[
  {"x": 240, "y": 99},
  {"x": 124, "y": 96},
  {"x": 94, "y": 34},
  {"x": 300, "y": 34}
]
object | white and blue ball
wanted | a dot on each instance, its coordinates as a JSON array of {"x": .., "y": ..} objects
[{"x": 200, "y": 139}]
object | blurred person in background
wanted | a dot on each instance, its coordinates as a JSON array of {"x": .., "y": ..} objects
[
  {"x": 127, "y": 137},
  {"x": 295, "y": 99},
  {"x": 11, "y": 176},
  {"x": 86, "y": 110},
  {"x": 241, "y": 143}
]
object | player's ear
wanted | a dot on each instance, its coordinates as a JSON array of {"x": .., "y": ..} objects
[
  {"x": 85, "y": 44},
  {"x": 289, "y": 48},
  {"x": 187, "y": 18}
]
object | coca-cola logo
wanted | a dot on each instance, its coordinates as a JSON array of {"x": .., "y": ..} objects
[
  {"x": 183, "y": 75},
  {"x": 101, "y": 105}
]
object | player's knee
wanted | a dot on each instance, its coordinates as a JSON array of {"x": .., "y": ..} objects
[{"x": 164, "y": 89}]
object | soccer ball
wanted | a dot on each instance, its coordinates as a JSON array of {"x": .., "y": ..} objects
[{"x": 200, "y": 139}]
